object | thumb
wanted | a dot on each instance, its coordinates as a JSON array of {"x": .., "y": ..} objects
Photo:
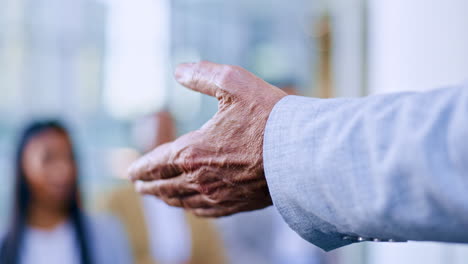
[{"x": 204, "y": 77}]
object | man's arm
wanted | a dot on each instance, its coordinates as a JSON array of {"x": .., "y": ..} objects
[{"x": 381, "y": 167}]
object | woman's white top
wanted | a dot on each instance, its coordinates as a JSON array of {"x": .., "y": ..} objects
[
  {"x": 106, "y": 240},
  {"x": 55, "y": 246}
]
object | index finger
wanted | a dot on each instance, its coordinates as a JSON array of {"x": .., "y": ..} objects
[{"x": 155, "y": 165}]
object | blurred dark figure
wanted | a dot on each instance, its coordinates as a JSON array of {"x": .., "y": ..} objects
[{"x": 47, "y": 224}]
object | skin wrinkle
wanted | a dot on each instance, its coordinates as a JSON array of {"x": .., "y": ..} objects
[
  {"x": 216, "y": 83},
  {"x": 194, "y": 80},
  {"x": 218, "y": 169}
]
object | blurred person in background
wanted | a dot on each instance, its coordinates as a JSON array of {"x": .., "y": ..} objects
[
  {"x": 159, "y": 233},
  {"x": 47, "y": 224}
]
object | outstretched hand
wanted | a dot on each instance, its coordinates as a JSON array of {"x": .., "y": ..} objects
[{"x": 216, "y": 170}]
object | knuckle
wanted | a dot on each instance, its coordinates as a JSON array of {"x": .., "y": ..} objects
[
  {"x": 187, "y": 157},
  {"x": 205, "y": 189},
  {"x": 190, "y": 156},
  {"x": 163, "y": 192},
  {"x": 201, "y": 188},
  {"x": 216, "y": 199},
  {"x": 208, "y": 186},
  {"x": 191, "y": 179},
  {"x": 168, "y": 191},
  {"x": 201, "y": 175},
  {"x": 174, "y": 202},
  {"x": 213, "y": 195}
]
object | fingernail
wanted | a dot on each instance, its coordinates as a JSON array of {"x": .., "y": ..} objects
[{"x": 184, "y": 72}]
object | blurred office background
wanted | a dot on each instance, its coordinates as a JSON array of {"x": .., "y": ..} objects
[{"x": 102, "y": 64}]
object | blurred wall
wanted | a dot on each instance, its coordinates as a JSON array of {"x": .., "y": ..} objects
[{"x": 417, "y": 45}]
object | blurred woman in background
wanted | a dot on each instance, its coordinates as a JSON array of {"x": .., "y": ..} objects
[{"x": 47, "y": 224}]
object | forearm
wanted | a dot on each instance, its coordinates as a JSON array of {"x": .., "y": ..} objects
[{"x": 386, "y": 167}]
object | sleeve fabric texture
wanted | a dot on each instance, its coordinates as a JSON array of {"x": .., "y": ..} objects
[{"x": 386, "y": 166}]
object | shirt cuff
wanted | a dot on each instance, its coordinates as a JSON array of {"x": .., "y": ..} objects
[{"x": 280, "y": 149}]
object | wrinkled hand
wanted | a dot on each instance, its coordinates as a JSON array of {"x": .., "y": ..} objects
[{"x": 216, "y": 170}]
